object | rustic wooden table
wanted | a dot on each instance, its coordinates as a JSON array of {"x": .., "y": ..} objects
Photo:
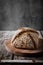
[{"x": 6, "y": 56}]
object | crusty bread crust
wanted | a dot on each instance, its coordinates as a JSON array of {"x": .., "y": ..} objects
[
  {"x": 32, "y": 41},
  {"x": 21, "y": 31},
  {"x": 33, "y": 34}
]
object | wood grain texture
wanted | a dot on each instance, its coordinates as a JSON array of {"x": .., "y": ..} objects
[
  {"x": 3, "y": 52},
  {"x": 5, "y": 55}
]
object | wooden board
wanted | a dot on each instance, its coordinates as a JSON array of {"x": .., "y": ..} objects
[{"x": 4, "y": 54}]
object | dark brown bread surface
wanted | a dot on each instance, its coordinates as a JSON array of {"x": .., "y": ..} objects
[{"x": 26, "y": 39}]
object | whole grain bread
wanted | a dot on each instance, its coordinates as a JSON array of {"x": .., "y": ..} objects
[{"x": 25, "y": 38}]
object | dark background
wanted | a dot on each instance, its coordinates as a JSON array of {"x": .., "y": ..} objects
[{"x": 20, "y": 13}]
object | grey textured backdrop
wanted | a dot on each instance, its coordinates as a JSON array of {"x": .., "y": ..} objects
[{"x": 19, "y": 13}]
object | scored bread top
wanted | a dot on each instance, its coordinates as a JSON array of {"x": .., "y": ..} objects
[
  {"x": 21, "y": 35},
  {"x": 21, "y": 30}
]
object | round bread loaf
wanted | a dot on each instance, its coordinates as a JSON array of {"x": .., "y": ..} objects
[{"x": 25, "y": 38}]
